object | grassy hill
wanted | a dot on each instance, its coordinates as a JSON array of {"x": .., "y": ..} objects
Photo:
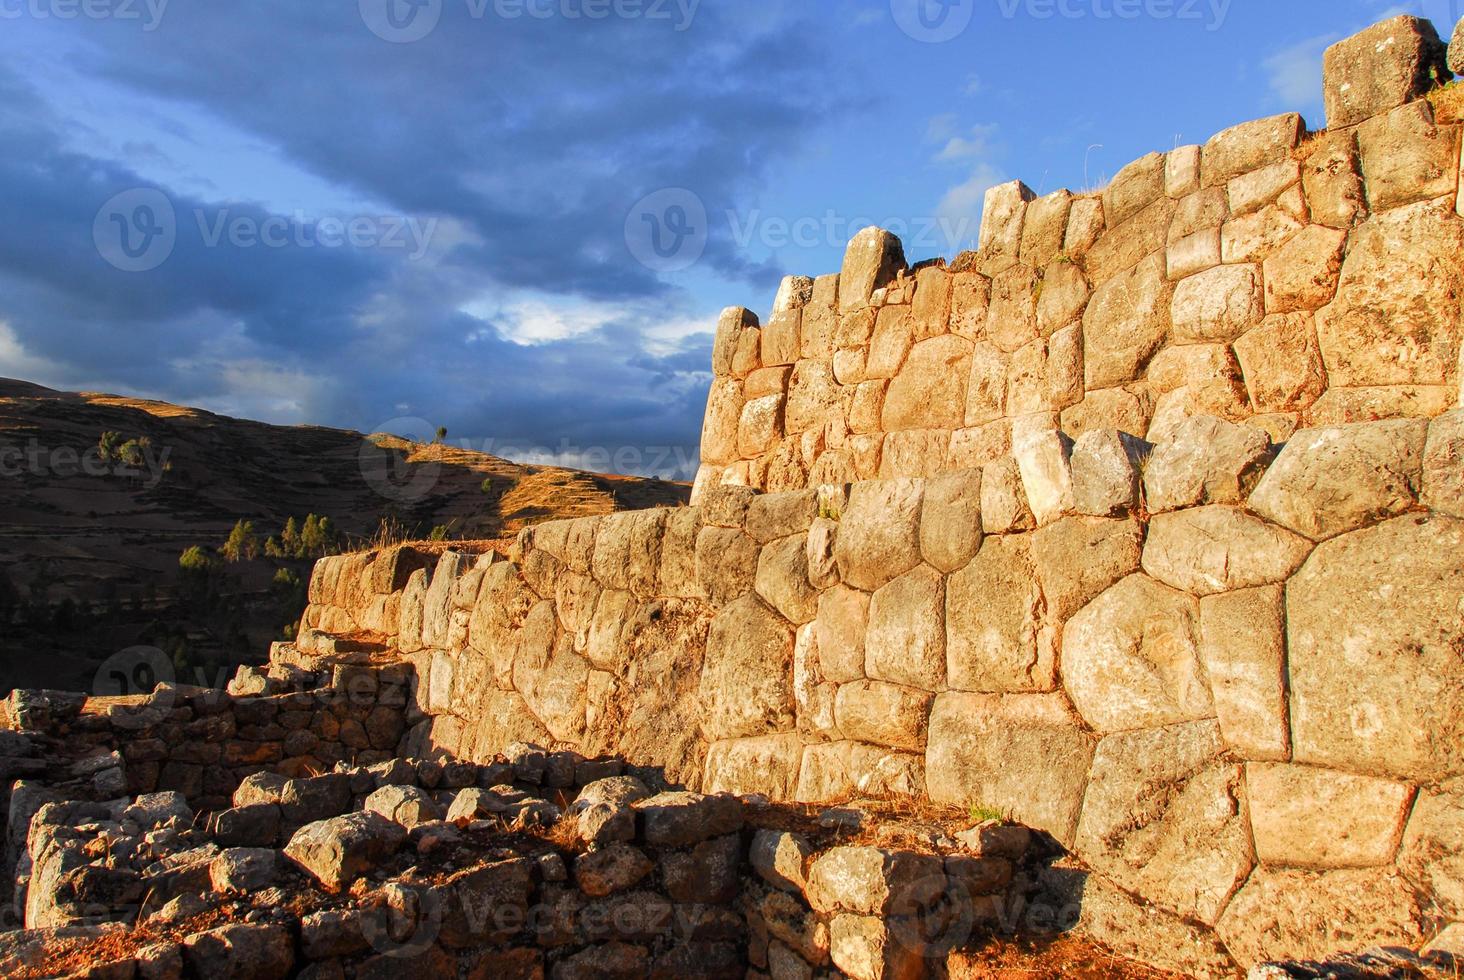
[{"x": 90, "y": 546}]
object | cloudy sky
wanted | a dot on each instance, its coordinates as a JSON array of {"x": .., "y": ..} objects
[{"x": 519, "y": 218}]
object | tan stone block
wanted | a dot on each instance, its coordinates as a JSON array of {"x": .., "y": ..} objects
[
  {"x": 1207, "y": 461},
  {"x": 761, "y": 426},
  {"x": 1134, "y": 188},
  {"x": 1218, "y": 305},
  {"x": 841, "y": 625},
  {"x": 1251, "y": 146},
  {"x": 930, "y": 391},
  {"x": 867, "y": 407},
  {"x": 1282, "y": 363},
  {"x": 1193, "y": 254},
  {"x": 1026, "y": 755},
  {"x": 1125, "y": 323},
  {"x": 1198, "y": 212},
  {"x": 813, "y": 397},
  {"x": 1431, "y": 854},
  {"x": 970, "y": 303},
  {"x": 726, "y": 563},
  {"x": 1131, "y": 658},
  {"x": 856, "y": 329},
  {"x": 1316, "y": 818},
  {"x": 747, "y": 677},
  {"x": 995, "y": 640},
  {"x": 724, "y": 415},
  {"x": 1042, "y": 454},
  {"x": 872, "y": 260},
  {"x": 1303, "y": 273},
  {"x": 734, "y": 323},
  {"x": 1012, "y": 318},
  {"x": 1205, "y": 550},
  {"x": 819, "y": 331},
  {"x": 913, "y": 453},
  {"x": 849, "y": 366},
  {"x": 1255, "y": 236},
  {"x": 1344, "y": 406},
  {"x": 1250, "y": 192},
  {"x": 894, "y": 335},
  {"x": 1003, "y": 216},
  {"x": 986, "y": 390},
  {"x": 950, "y": 520},
  {"x": 1182, "y": 171},
  {"x": 1243, "y": 647},
  {"x": 767, "y": 765},
  {"x": 782, "y": 579},
  {"x": 1047, "y": 375},
  {"x": 1407, "y": 158},
  {"x": 866, "y": 455},
  {"x": 906, "y": 641},
  {"x": 1383, "y": 67},
  {"x": 1332, "y": 180},
  {"x": 748, "y": 357},
  {"x": 1126, "y": 409},
  {"x": 1045, "y": 228},
  {"x": 884, "y": 714},
  {"x": 973, "y": 448},
  {"x": 1443, "y": 465},
  {"x": 1193, "y": 365},
  {"x": 1106, "y": 472},
  {"x": 930, "y": 313},
  {"x": 781, "y": 339},
  {"x": 1062, "y": 296},
  {"x": 1377, "y": 686},
  {"x": 879, "y": 537},
  {"x": 1085, "y": 225},
  {"x": 1078, "y": 558},
  {"x": 1122, "y": 247},
  {"x": 767, "y": 381},
  {"x": 1003, "y": 501}
]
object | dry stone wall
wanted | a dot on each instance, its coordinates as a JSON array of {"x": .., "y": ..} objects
[
  {"x": 1227, "y": 674},
  {"x": 1272, "y": 275}
]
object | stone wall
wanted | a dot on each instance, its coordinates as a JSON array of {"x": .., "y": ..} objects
[
  {"x": 1225, "y": 673},
  {"x": 1273, "y": 275}
]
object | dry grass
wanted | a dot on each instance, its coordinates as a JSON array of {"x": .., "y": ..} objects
[
  {"x": 1448, "y": 103},
  {"x": 1065, "y": 957}
]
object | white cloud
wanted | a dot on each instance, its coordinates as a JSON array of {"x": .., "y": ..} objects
[
  {"x": 16, "y": 362},
  {"x": 965, "y": 200},
  {"x": 975, "y": 144},
  {"x": 1295, "y": 72}
]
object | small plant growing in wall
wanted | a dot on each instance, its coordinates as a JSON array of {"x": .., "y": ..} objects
[{"x": 981, "y": 813}]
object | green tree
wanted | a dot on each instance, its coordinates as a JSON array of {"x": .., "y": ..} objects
[
  {"x": 272, "y": 548},
  {"x": 440, "y": 533},
  {"x": 243, "y": 543},
  {"x": 441, "y": 433},
  {"x": 196, "y": 561},
  {"x": 290, "y": 538},
  {"x": 312, "y": 538},
  {"x": 107, "y": 445}
]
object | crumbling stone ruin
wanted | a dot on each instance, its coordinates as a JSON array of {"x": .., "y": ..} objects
[{"x": 1141, "y": 528}]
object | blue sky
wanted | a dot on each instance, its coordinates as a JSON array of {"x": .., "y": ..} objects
[{"x": 399, "y": 214}]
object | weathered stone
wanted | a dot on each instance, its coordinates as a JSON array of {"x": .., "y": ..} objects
[
  {"x": 1044, "y": 228},
  {"x": 406, "y": 805},
  {"x": 1012, "y": 318},
  {"x": 746, "y": 686},
  {"x": 1443, "y": 465},
  {"x": 1125, "y": 323},
  {"x": 781, "y": 859},
  {"x": 930, "y": 311},
  {"x": 684, "y": 819},
  {"x": 733, "y": 324},
  {"x": 1243, "y": 647},
  {"x": 1282, "y": 363},
  {"x": 915, "y": 453},
  {"x": 1250, "y": 192},
  {"x": 1456, "y": 49},
  {"x": 986, "y": 391},
  {"x": 995, "y": 640},
  {"x": 1024, "y": 754},
  {"x": 1250, "y": 146},
  {"x": 1085, "y": 225},
  {"x": 831, "y": 772},
  {"x": 1079, "y": 557},
  {"x": 1042, "y": 454},
  {"x": 1002, "y": 219},
  {"x": 1315, "y": 818},
  {"x": 1046, "y": 375},
  {"x": 823, "y": 569},
  {"x": 244, "y": 869},
  {"x": 1253, "y": 237},
  {"x": 1206, "y": 461},
  {"x": 1106, "y": 467},
  {"x": 1131, "y": 658},
  {"x": 256, "y": 825},
  {"x": 879, "y": 533},
  {"x": 1332, "y": 181},
  {"x": 866, "y": 948},
  {"x": 906, "y": 639},
  {"x": 726, "y": 564},
  {"x": 1431, "y": 854},
  {"x": 760, "y": 427},
  {"x": 1193, "y": 254},
  {"x": 929, "y": 392},
  {"x": 1327, "y": 482},
  {"x": 720, "y": 424},
  {"x": 340, "y": 850},
  {"x": 1377, "y": 686},
  {"x": 1218, "y": 305},
  {"x": 873, "y": 258},
  {"x": 1134, "y": 188},
  {"x": 237, "y": 952},
  {"x": 890, "y": 344},
  {"x": 813, "y": 397},
  {"x": 1406, "y": 158},
  {"x": 1302, "y": 915},
  {"x": 950, "y": 520},
  {"x": 1165, "y": 820},
  {"x": 1206, "y": 550},
  {"x": 872, "y": 881},
  {"x": 707, "y": 874},
  {"x": 611, "y": 869},
  {"x": 883, "y": 714},
  {"x": 767, "y": 765},
  {"x": 1397, "y": 319},
  {"x": 843, "y": 620},
  {"x": 1303, "y": 273},
  {"x": 1383, "y": 67},
  {"x": 782, "y": 579},
  {"x": 1126, "y": 409}
]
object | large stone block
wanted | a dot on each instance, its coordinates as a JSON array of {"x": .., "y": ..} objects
[
  {"x": 950, "y": 520},
  {"x": 1042, "y": 453},
  {"x": 906, "y": 639},
  {"x": 1026, "y": 755},
  {"x": 843, "y": 620},
  {"x": 1131, "y": 658},
  {"x": 1282, "y": 363},
  {"x": 883, "y": 714},
  {"x": 930, "y": 391},
  {"x": 726, "y": 563},
  {"x": 1407, "y": 158},
  {"x": 1046, "y": 375},
  {"x": 1079, "y": 557},
  {"x": 1327, "y": 482},
  {"x": 747, "y": 678},
  {"x": 872, "y": 260},
  {"x": 1045, "y": 228},
  {"x": 1126, "y": 321},
  {"x": 767, "y": 765},
  {"x": 1304, "y": 915},
  {"x": 782, "y": 579},
  {"x": 1303, "y": 273},
  {"x": 1397, "y": 318},
  {"x": 1316, "y": 818},
  {"x": 835, "y": 771},
  {"x": 1243, "y": 647},
  {"x": 1250, "y": 146},
  {"x": 813, "y": 397},
  {"x": 995, "y": 639},
  {"x": 879, "y": 533},
  {"x": 719, "y": 426},
  {"x": 1383, "y": 67},
  {"x": 1431, "y": 854},
  {"x": 1218, "y": 305},
  {"x": 1332, "y": 181},
  {"x": 1106, "y": 466},
  {"x": 1206, "y": 550},
  {"x": 1443, "y": 465},
  {"x": 1134, "y": 188},
  {"x": 1165, "y": 819},
  {"x": 1002, "y": 218},
  {"x": 1206, "y": 461},
  {"x": 1377, "y": 685}
]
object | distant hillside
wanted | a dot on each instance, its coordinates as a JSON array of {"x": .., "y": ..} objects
[{"x": 89, "y": 549}]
